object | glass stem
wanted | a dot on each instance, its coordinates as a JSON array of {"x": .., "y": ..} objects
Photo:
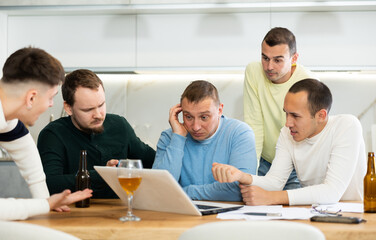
[{"x": 130, "y": 198}]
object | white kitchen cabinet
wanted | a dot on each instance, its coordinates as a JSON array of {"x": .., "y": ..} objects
[
  {"x": 92, "y": 41},
  {"x": 199, "y": 40},
  {"x": 332, "y": 40}
]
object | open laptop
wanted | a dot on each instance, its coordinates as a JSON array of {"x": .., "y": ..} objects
[{"x": 159, "y": 191}]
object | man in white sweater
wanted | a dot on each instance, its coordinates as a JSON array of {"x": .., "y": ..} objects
[
  {"x": 328, "y": 154},
  {"x": 30, "y": 80}
]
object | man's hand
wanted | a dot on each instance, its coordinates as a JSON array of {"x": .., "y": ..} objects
[
  {"x": 176, "y": 126},
  {"x": 112, "y": 163},
  {"x": 226, "y": 173},
  {"x": 60, "y": 201},
  {"x": 254, "y": 195}
]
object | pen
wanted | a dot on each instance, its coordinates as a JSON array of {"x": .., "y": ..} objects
[{"x": 264, "y": 214}]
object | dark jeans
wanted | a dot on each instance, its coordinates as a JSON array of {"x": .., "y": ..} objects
[{"x": 292, "y": 182}]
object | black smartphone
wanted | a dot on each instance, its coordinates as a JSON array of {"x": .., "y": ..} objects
[{"x": 337, "y": 219}]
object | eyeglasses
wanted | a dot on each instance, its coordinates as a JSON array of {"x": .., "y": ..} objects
[{"x": 316, "y": 209}]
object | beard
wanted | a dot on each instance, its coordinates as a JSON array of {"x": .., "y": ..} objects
[
  {"x": 89, "y": 130},
  {"x": 96, "y": 130}
]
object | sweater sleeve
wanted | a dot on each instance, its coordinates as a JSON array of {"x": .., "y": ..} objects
[
  {"x": 215, "y": 192},
  {"x": 25, "y": 155},
  {"x": 252, "y": 109},
  {"x": 138, "y": 149},
  {"x": 21, "y": 209},
  {"x": 280, "y": 170},
  {"x": 52, "y": 152},
  {"x": 170, "y": 152}
]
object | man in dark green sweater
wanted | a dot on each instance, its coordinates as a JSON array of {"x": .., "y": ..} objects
[{"x": 105, "y": 137}]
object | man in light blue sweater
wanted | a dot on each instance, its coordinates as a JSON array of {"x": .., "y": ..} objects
[{"x": 188, "y": 150}]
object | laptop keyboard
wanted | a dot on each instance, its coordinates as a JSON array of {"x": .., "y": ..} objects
[
  {"x": 207, "y": 210},
  {"x": 205, "y": 206}
]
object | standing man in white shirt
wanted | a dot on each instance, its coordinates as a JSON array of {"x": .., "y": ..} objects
[
  {"x": 30, "y": 80},
  {"x": 265, "y": 86},
  {"x": 328, "y": 154}
]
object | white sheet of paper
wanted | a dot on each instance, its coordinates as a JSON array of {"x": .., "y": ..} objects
[{"x": 287, "y": 213}]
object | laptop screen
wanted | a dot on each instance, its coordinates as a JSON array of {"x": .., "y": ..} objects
[{"x": 159, "y": 191}]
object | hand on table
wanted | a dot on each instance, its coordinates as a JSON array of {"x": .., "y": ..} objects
[
  {"x": 60, "y": 201},
  {"x": 254, "y": 195},
  {"x": 112, "y": 163}
]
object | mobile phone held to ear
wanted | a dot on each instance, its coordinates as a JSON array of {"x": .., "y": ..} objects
[{"x": 337, "y": 219}]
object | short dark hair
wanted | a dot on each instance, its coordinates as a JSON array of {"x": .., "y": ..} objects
[
  {"x": 199, "y": 90},
  {"x": 319, "y": 95},
  {"x": 79, "y": 78},
  {"x": 279, "y": 35},
  {"x": 32, "y": 64}
]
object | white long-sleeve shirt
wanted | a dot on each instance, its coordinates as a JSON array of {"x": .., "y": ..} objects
[
  {"x": 330, "y": 166},
  {"x": 16, "y": 139}
]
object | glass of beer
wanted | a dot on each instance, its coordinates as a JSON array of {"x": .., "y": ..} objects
[{"x": 129, "y": 179}]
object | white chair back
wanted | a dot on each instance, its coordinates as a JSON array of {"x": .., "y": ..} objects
[
  {"x": 19, "y": 230},
  {"x": 253, "y": 230}
]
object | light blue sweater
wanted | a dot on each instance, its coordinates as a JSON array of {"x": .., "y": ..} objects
[{"x": 190, "y": 161}]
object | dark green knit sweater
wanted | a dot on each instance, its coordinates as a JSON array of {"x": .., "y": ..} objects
[{"x": 60, "y": 142}]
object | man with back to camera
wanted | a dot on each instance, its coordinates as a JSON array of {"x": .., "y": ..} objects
[
  {"x": 30, "y": 80},
  {"x": 188, "y": 150},
  {"x": 327, "y": 152},
  {"x": 265, "y": 87},
  {"x": 106, "y": 137}
]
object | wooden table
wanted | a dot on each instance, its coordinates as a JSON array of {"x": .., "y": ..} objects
[{"x": 100, "y": 221}]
